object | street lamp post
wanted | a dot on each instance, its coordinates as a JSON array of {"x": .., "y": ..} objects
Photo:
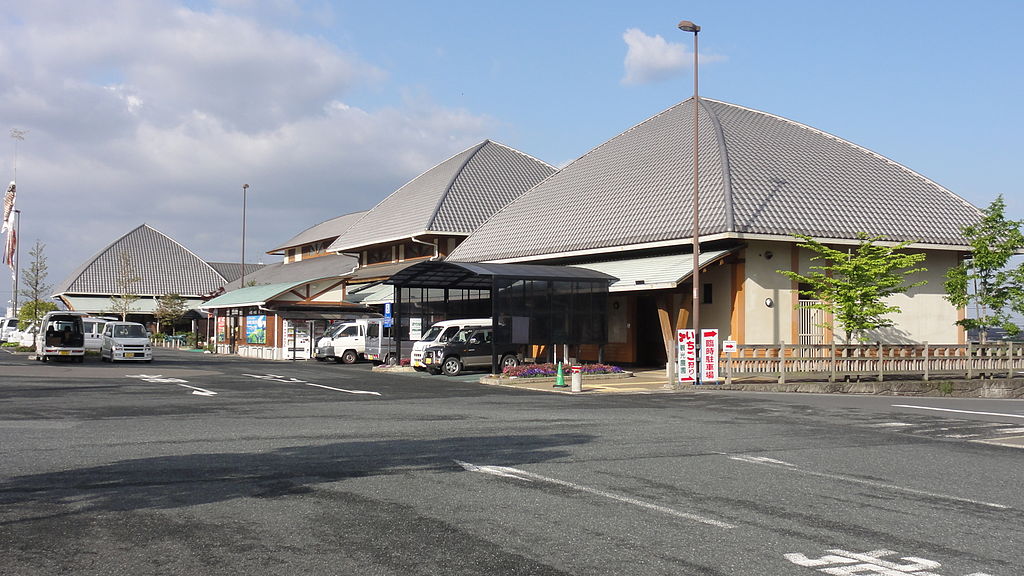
[
  {"x": 245, "y": 188},
  {"x": 687, "y": 26},
  {"x": 17, "y": 256}
]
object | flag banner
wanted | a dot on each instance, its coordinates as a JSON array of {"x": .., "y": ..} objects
[
  {"x": 10, "y": 246},
  {"x": 8, "y": 221}
]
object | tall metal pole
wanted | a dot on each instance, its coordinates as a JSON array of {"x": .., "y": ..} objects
[
  {"x": 245, "y": 188},
  {"x": 17, "y": 257},
  {"x": 687, "y": 26}
]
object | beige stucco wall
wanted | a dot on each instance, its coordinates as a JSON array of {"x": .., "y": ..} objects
[
  {"x": 926, "y": 316},
  {"x": 763, "y": 324},
  {"x": 717, "y": 314}
]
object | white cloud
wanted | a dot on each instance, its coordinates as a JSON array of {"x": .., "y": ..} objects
[
  {"x": 652, "y": 58},
  {"x": 146, "y": 111}
]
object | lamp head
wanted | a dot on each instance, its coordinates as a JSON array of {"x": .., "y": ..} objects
[{"x": 687, "y": 26}]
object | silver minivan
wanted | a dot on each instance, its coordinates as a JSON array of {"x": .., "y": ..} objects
[{"x": 127, "y": 341}]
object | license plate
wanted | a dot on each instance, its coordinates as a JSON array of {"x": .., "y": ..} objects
[
  {"x": 129, "y": 354},
  {"x": 64, "y": 353},
  {"x": 427, "y": 360}
]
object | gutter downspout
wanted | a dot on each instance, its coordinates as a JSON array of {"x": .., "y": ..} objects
[{"x": 437, "y": 253}]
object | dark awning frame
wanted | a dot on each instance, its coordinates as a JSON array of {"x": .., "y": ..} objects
[
  {"x": 478, "y": 276},
  {"x": 482, "y": 276}
]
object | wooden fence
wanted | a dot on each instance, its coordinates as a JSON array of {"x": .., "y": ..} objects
[{"x": 876, "y": 361}]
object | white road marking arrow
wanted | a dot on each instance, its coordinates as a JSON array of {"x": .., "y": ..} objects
[{"x": 530, "y": 476}]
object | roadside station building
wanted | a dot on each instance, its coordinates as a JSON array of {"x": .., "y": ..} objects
[{"x": 625, "y": 209}]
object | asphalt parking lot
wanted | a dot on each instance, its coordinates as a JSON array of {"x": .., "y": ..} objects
[{"x": 200, "y": 464}]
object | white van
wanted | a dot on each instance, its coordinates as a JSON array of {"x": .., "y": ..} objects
[
  {"x": 439, "y": 334},
  {"x": 8, "y": 326},
  {"x": 62, "y": 335},
  {"x": 125, "y": 341},
  {"x": 345, "y": 342},
  {"x": 93, "y": 326}
]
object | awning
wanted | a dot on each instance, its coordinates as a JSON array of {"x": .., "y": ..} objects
[
  {"x": 102, "y": 304},
  {"x": 653, "y": 273},
  {"x": 345, "y": 313},
  {"x": 472, "y": 275},
  {"x": 368, "y": 294},
  {"x": 251, "y": 295}
]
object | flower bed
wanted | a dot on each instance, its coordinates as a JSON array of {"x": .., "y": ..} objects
[{"x": 549, "y": 370}]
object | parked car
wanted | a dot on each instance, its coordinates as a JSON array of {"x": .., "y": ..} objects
[
  {"x": 8, "y": 327},
  {"x": 93, "y": 326},
  {"x": 469, "y": 348},
  {"x": 26, "y": 338},
  {"x": 125, "y": 341},
  {"x": 62, "y": 336},
  {"x": 438, "y": 335}
]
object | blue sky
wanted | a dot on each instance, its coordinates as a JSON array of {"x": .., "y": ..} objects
[{"x": 158, "y": 111}]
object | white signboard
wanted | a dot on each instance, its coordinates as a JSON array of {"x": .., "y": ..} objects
[
  {"x": 415, "y": 328},
  {"x": 729, "y": 346},
  {"x": 687, "y": 356},
  {"x": 709, "y": 355}
]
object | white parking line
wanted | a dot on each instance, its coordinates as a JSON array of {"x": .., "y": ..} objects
[
  {"x": 957, "y": 411},
  {"x": 529, "y": 476},
  {"x": 779, "y": 465},
  {"x": 290, "y": 380}
]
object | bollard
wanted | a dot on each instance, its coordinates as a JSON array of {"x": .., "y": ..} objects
[
  {"x": 560, "y": 378},
  {"x": 577, "y": 379}
]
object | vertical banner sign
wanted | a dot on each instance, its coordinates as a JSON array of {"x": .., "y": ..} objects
[
  {"x": 709, "y": 355},
  {"x": 687, "y": 356},
  {"x": 387, "y": 315}
]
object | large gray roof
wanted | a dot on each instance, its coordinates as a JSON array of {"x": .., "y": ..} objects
[
  {"x": 453, "y": 197},
  {"x": 760, "y": 174},
  {"x": 328, "y": 230},
  {"x": 163, "y": 266}
]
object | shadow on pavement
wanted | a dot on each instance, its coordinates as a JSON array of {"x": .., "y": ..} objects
[{"x": 178, "y": 481}]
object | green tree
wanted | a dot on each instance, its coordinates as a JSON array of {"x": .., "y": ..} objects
[
  {"x": 126, "y": 282},
  {"x": 985, "y": 285},
  {"x": 853, "y": 285},
  {"x": 34, "y": 288},
  {"x": 170, "y": 308}
]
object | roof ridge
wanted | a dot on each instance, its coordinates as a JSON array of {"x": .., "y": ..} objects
[
  {"x": 451, "y": 182},
  {"x": 723, "y": 151}
]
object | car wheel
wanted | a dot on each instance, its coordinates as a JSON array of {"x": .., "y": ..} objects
[
  {"x": 391, "y": 360},
  {"x": 452, "y": 366},
  {"x": 509, "y": 361},
  {"x": 349, "y": 357}
]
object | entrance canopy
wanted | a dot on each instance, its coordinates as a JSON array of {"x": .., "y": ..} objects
[
  {"x": 531, "y": 307},
  {"x": 472, "y": 275}
]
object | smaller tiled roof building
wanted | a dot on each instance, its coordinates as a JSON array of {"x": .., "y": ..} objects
[{"x": 162, "y": 265}]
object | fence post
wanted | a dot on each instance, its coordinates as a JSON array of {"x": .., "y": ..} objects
[
  {"x": 782, "y": 363},
  {"x": 834, "y": 363},
  {"x": 881, "y": 363},
  {"x": 1009, "y": 363},
  {"x": 728, "y": 368},
  {"x": 970, "y": 360},
  {"x": 927, "y": 361}
]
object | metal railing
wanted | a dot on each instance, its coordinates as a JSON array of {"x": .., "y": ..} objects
[{"x": 877, "y": 361}]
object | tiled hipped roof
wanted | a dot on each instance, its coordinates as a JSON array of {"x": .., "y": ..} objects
[
  {"x": 451, "y": 198},
  {"x": 163, "y": 265},
  {"x": 759, "y": 174}
]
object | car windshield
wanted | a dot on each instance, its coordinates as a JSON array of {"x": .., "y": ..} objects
[
  {"x": 129, "y": 331},
  {"x": 431, "y": 334}
]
